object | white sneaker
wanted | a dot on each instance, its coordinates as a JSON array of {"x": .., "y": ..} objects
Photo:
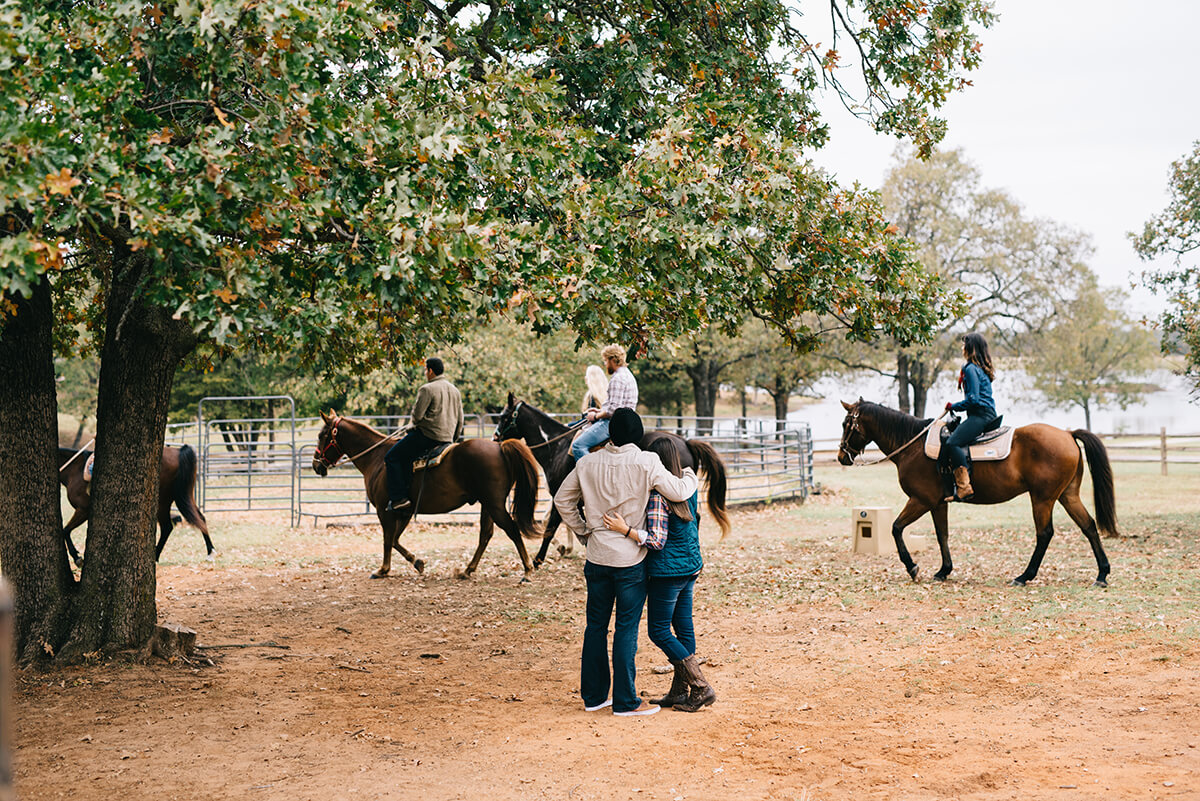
[
  {"x": 646, "y": 708},
  {"x": 602, "y": 705}
]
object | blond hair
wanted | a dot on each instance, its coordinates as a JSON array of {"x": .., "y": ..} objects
[
  {"x": 597, "y": 387},
  {"x": 614, "y": 352}
]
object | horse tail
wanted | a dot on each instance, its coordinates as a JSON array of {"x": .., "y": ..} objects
[
  {"x": 708, "y": 460},
  {"x": 1102, "y": 479},
  {"x": 184, "y": 489},
  {"x": 523, "y": 468}
]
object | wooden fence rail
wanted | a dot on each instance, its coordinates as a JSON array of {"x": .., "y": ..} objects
[{"x": 1161, "y": 447}]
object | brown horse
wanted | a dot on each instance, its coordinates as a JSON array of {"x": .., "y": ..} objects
[
  {"x": 474, "y": 471},
  {"x": 1045, "y": 462},
  {"x": 176, "y": 483},
  {"x": 551, "y": 442}
]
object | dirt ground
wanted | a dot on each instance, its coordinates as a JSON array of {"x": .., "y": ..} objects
[{"x": 837, "y": 679}]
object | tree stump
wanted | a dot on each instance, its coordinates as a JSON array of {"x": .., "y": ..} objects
[{"x": 172, "y": 640}]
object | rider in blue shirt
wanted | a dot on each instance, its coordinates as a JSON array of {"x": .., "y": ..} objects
[{"x": 975, "y": 381}]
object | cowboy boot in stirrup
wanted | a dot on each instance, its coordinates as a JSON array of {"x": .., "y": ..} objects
[
  {"x": 962, "y": 484},
  {"x": 702, "y": 693},
  {"x": 679, "y": 688}
]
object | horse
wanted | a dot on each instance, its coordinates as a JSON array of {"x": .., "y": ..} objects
[
  {"x": 1045, "y": 462},
  {"x": 472, "y": 471},
  {"x": 550, "y": 441},
  {"x": 176, "y": 483}
]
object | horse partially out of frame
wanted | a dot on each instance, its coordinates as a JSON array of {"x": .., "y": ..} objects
[{"x": 176, "y": 484}]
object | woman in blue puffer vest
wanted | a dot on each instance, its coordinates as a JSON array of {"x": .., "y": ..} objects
[{"x": 673, "y": 563}]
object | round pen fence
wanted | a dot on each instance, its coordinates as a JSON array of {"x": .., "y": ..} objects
[{"x": 262, "y": 461}]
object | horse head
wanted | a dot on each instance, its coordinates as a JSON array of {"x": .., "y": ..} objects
[
  {"x": 506, "y": 420},
  {"x": 328, "y": 451},
  {"x": 854, "y": 437}
]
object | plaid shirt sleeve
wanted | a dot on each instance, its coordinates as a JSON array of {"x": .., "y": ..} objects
[
  {"x": 656, "y": 522},
  {"x": 622, "y": 392}
]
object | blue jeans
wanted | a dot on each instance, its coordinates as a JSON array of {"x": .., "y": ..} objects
[
  {"x": 592, "y": 436},
  {"x": 399, "y": 462},
  {"x": 961, "y": 438},
  {"x": 626, "y": 588},
  {"x": 669, "y": 605}
]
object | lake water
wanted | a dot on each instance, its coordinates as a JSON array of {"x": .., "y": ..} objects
[{"x": 1173, "y": 406}]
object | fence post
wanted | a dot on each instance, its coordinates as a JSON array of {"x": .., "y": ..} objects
[
  {"x": 1162, "y": 434},
  {"x": 7, "y": 793}
]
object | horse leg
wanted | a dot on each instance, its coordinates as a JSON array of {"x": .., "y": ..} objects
[
  {"x": 498, "y": 513},
  {"x": 941, "y": 525},
  {"x": 1043, "y": 523},
  {"x": 486, "y": 528},
  {"x": 76, "y": 520},
  {"x": 552, "y": 521},
  {"x": 1075, "y": 508},
  {"x": 165, "y": 525},
  {"x": 911, "y": 511},
  {"x": 390, "y": 523}
]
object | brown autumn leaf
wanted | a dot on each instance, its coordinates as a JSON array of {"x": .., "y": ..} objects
[
  {"x": 160, "y": 137},
  {"x": 61, "y": 183},
  {"x": 226, "y": 295}
]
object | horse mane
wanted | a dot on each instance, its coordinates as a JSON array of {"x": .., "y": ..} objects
[
  {"x": 364, "y": 424},
  {"x": 893, "y": 421}
]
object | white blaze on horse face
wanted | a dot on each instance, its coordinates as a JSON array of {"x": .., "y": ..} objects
[{"x": 542, "y": 431}]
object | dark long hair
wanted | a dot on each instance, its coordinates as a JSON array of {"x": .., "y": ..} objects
[
  {"x": 976, "y": 349},
  {"x": 665, "y": 449}
]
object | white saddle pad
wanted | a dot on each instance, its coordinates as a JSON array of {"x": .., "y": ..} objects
[{"x": 997, "y": 446}]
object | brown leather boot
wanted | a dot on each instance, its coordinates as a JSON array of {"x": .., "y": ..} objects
[
  {"x": 962, "y": 484},
  {"x": 701, "y": 692},
  {"x": 679, "y": 688}
]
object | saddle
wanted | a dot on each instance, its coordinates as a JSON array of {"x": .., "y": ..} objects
[
  {"x": 990, "y": 446},
  {"x": 433, "y": 457}
]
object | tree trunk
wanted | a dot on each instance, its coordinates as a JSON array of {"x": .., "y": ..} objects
[
  {"x": 704, "y": 374},
  {"x": 31, "y": 548},
  {"x": 920, "y": 378},
  {"x": 1087, "y": 415},
  {"x": 143, "y": 346},
  {"x": 902, "y": 379},
  {"x": 781, "y": 395}
]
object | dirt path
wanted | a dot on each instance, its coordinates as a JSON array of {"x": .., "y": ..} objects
[{"x": 434, "y": 688}]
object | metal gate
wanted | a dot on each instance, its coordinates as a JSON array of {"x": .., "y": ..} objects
[{"x": 263, "y": 463}]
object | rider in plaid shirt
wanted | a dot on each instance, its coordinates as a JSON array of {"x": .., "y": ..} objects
[{"x": 622, "y": 394}]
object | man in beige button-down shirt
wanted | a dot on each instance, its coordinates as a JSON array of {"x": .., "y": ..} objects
[
  {"x": 617, "y": 478},
  {"x": 437, "y": 417}
]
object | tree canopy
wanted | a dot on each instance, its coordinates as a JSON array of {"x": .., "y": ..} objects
[
  {"x": 359, "y": 182},
  {"x": 1175, "y": 232}
]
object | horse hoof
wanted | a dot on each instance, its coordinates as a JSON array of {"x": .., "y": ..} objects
[
  {"x": 1100, "y": 583},
  {"x": 462, "y": 574},
  {"x": 914, "y": 571},
  {"x": 525, "y": 580},
  {"x": 420, "y": 566},
  {"x": 379, "y": 574},
  {"x": 1018, "y": 582},
  {"x": 939, "y": 577}
]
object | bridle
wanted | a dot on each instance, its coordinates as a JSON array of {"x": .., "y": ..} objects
[
  {"x": 855, "y": 452},
  {"x": 321, "y": 453},
  {"x": 507, "y": 427}
]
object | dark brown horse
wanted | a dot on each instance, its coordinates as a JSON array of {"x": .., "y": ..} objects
[
  {"x": 1045, "y": 462},
  {"x": 474, "y": 471},
  {"x": 550, "y": 442},
  {"x": 176, "y": 483}
]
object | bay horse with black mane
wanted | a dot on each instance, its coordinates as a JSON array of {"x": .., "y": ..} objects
[
  {"x": 472, "y": 471},
  {"x": 550, "y": 442},
  {"x": 176, "y": 483},
  {"x": 1045, "y": 462}
]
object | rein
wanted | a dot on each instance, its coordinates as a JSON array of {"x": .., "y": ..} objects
[
  {"x": 571, "y": 429},
  {"x": 320, "y": 453},
  {"x": 76, "y": 456},
  {"x": 503, "y": 429},
  {"x": 920, "y": 434}
]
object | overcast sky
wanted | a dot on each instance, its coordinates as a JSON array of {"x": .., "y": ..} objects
[{"x": 1077, "y": 112}]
